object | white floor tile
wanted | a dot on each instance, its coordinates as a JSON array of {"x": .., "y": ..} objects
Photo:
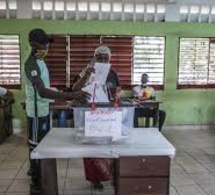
[
  {"x": 190, "y": 190},
  {"x": 192, "y": 170},
  {"x": 19, "y": 185},
  {"x": 4, "y": 185},
  {"x": 8, "y": 173}
]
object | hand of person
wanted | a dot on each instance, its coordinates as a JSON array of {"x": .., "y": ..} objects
[
  {"x": 89, "y": 71},
  {"x": 80, "y": 96}
]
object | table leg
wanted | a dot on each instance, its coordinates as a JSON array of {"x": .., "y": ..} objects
[
  {"x": 49, "y": 177},
  {"x": 156, "y": 117},
  {"x": 51, "y": 119},
  {"x": 116, "y": 175}
]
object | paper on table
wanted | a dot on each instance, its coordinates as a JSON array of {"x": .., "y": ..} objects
[
  {"x": 100, "y": 95},
  {"x": 101, "y": 73},
  {"x": 103, "y": 123}
]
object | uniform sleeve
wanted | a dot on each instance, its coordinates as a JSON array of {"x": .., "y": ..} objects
[{"x": 32, "y": 72}]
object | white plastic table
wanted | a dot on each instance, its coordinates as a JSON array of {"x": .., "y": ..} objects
[{"x": 146, "y": 143}]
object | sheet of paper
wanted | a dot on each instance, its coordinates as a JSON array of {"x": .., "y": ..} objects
[
  {"x": 100, "y": 95},
  {"x": 101, "y": 73},
  {"x": 103, "y": 123}
]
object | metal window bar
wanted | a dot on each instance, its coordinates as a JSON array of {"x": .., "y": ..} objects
[
  {"x": 9, "y": 60},
  {"x": 148, "y": 58}
]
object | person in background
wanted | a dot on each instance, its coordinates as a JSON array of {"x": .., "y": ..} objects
[
  {"x": 38, "y": 95},
  {"x": 145, "y": 92},
  {"x": 6, "y": 95},
  {"x": 98, "y": 170}
]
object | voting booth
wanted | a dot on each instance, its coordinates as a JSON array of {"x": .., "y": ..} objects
[{"x": 104, "y": 124}]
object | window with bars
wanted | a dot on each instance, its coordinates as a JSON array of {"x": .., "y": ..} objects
[
  {"x": 9, "y": 61},
  {"x": 82, "y": 51},
  {"x": 196, "y": 63},
  {"x": 57, "y": 61},
  {"x": 130, "y": 57},
  {"x": 148, "y": 58}
]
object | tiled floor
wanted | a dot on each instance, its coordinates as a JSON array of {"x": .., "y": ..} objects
[{"x": 192, "y": 171}]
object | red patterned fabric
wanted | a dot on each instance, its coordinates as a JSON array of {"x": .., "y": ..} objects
[{"x": 97, "y": 169}]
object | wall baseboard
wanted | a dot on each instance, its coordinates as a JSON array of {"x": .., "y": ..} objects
[{"x": 188, "y": 127}]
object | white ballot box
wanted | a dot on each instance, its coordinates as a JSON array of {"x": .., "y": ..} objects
[{"x": 104, "y": 124}]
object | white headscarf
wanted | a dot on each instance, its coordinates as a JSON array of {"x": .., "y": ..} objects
[{"x": 103, "y": 49}]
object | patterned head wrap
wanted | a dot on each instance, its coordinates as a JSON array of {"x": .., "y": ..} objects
[{"x": 102, "y": 50}]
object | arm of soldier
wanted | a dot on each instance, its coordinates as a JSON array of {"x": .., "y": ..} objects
[
  {"x": 35, "y": 79},
  {"x": 50, "y": 94}
]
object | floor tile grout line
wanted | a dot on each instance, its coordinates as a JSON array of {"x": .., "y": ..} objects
[
  {"x": 64, "y": 184},
  {"x": 15, "y": 177},
  {"x": 202, "y": 164}
]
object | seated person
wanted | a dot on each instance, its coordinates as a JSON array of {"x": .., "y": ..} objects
[{"x": 144, "y": 92}]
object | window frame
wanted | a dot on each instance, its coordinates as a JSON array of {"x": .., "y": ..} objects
[
  {"x": 131, "y": 85},
  {"x": 156, "y": 87},
  {"x": 14, "y": 86},
  {"x": 194, "y": 86}
]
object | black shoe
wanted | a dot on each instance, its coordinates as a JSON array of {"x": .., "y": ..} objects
[
  {"x": 98, "y": 186},
  {"x": 29, "y": 173},
  {"x": 35, "y": 190}
]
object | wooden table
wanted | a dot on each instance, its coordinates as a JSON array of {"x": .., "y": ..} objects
[{"x": 144, "y": 160}]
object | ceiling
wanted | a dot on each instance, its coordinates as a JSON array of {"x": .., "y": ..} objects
[{"x": 121, "y": 10}]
